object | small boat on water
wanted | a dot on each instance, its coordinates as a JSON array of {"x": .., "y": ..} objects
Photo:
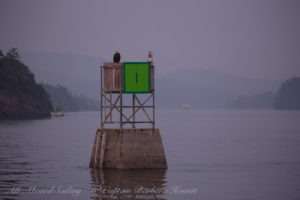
[
  {"x": 186, "y": 107},
  {"x": 58, "y": 111}
]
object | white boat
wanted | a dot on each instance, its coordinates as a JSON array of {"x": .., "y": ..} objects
[
  {"x": 58, "y": 114},
  {"x": 186, "y": 107}
]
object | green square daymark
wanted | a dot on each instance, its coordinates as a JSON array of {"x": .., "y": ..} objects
[{"x": 136, "y": 77}]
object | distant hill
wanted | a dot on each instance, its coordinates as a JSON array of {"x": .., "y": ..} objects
[
  {"x": 213, "y": 89},
  {"x": 288, "y": 95},
  {"x": 174, "y": 93},
  {"x": 222, "y": 81},
  {"x": 258, "y": 101},
  {"x": 62, "y": 96},
  {"x": 20, "y": 96}
]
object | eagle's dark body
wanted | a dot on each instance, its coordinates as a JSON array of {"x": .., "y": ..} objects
[{"x": 117, "y": 57}]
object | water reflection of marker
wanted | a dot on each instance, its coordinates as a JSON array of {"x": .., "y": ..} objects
[{"x": 136, "y": 77}]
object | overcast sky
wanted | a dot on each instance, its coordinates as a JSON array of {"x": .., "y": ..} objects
[{"x": 254, "y": 38}]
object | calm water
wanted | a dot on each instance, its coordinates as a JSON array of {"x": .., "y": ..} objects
[{"x": 212, "y": 155}]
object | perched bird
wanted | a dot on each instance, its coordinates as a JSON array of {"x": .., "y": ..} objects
[
  {"x": 117, "y": 56},
  {"x": 150, "y": 58}
]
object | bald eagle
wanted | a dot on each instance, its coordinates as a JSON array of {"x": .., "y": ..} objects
[{"x": 117, "y": 56}]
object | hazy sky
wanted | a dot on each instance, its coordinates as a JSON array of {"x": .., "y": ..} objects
[{"x": 255, "y": 38}]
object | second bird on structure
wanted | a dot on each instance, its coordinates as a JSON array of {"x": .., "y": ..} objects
[{"x": 117, "y": 56}]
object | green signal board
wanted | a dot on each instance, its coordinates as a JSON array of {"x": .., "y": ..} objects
[{"x": 136, "y": 77}]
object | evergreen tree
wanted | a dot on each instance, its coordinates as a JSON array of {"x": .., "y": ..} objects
[{"x": 288, "y": 95}]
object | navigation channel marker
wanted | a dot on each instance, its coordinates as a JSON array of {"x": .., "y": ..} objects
[{"x": 136, "y": 77}]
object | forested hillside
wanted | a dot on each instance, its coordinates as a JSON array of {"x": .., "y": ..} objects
[{"x": 20, "y": 96}]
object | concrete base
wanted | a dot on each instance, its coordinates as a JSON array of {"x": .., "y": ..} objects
[{"x": 128, "y": 149}]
